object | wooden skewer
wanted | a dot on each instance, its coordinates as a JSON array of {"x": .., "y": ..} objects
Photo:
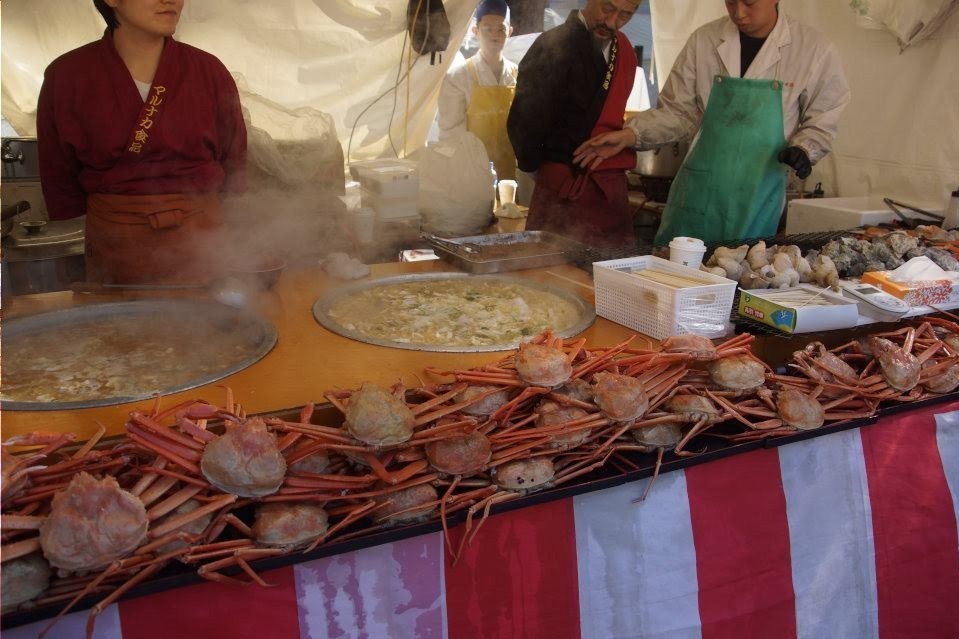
[{"x": 669, "y": 279}]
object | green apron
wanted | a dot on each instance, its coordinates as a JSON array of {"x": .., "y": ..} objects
[{"x": 731, "y": 186}]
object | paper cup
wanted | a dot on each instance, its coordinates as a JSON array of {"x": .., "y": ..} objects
[
  {"x": 363, "y": 223},
  {"x": 688, "y": 251},
  {"x": 507, "y": 191}
]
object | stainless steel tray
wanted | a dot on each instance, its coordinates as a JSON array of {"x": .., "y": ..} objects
[
  {"x": 322, "y": 306},
  {"x": 256, "y": 334},
  {"x": 499, "y": 252}
]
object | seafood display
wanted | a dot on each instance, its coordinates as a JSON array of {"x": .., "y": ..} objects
[
  {"x": 783, "y": 266},
  {"x": 775, "y": 266},
  {"x": 216, "y": 490}
]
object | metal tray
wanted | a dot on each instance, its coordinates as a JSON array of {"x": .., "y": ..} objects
[
  {"x": 499, "y": 252},
  {"x": 322, "y": 306},
  {"x": 195, "y": 315}
]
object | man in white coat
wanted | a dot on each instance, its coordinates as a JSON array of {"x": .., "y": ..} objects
[
  {"x": 755, "y": 89},
  {"x": 476, "y": 95}
]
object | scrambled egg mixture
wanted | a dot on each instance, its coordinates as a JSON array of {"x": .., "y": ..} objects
[{"x": 453, "y": 312}]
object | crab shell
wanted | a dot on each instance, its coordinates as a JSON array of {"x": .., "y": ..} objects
[
  {"x": 24, "y": 578},
  {"x": 577, "y": 389},
  {"x": 800, "y": 411},
  {"x": 550, "y": 413},
  {"x": 621, "y": 398},
  {"x": 377, "y": 417},
  {"x": 696, "y": 346},
  {"x": 737, "y": 372},
  {"x": 285, "y": 525},
  {"x": 193, "y": 527},
  {"x": 837, "y": 368},
  {"x": 693, "y": 406},
  {"x": 525, "y": 475},
  {"x": 462, "y": 455},
  {"x": 945, "y": 382},
  {"x": 899, "y": 368},
  {"x": 414, "y": 503},
  {"x": 481, "y": 407},
  {"x": 91, "y": 524},
  {"x": 541, "y": 365},
  {"x": 313, "y": 463},
  {"x": 659, "y": 436},
  {"x": 245, "y": 460}
]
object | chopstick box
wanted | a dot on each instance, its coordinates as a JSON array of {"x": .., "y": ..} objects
[
  {"x": 916, "y": 292},
  {"x": 660, "y": 298},
  {"x": 761, "y": 306}
]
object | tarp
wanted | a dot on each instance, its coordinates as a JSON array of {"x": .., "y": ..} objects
[
  {"x": 852, "y": 534},
  {"x": 899, "y": 136},
  {"x": 336, "y": 56}
]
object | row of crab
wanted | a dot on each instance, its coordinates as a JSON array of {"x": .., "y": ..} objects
[{"x": 95, "y": 520}]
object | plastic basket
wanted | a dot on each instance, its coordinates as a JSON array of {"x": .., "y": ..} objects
[{"x": 658, "y": 310}]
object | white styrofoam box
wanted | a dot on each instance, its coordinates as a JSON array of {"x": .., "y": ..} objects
[
  {"x": 658, "y": 310},
  {"x": 812, "y": 215},
  {"x": 388, "y": 208},
  {"x": 387, "y": 178}
]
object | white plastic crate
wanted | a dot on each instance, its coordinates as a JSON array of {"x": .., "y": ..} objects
[{"x": 658, "y": 310}]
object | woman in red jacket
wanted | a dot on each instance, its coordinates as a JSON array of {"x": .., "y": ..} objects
[{"x": 142, "y": 134}]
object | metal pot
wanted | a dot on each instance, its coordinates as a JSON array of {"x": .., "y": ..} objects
[
  {"x": 662, "y": 162},
  {"x": 40, "y": 257}
]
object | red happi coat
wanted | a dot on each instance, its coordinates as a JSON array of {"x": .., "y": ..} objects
[{"x": 90, "y": 111}]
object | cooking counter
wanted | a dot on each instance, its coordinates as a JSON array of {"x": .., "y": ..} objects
[{"x": 307, "y": 360}]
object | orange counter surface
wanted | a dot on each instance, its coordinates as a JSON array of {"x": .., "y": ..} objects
[{"x": 307, "y": 359}]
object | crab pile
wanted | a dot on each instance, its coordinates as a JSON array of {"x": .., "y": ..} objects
[{"x": 216, "y": 489}]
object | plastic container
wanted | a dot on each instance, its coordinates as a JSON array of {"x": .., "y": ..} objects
[
  {"x": 951, "y": 212},
  {"x": 688, "y": 251},
  {"x": 387, "y": 178},
  {"x": 658, "y": 310},
  {"x": 813, "y": 215}
]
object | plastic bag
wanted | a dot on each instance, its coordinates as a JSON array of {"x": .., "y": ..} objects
[
  {"x": 910, "y": 22},
  {"x": 456, "y": 187}
]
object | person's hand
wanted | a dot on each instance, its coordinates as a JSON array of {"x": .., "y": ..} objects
[
  {"x": 798, "y": 160},
  {"x": 592, "y": 152}
]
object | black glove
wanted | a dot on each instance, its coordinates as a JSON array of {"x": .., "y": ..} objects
[{"x": 798, "y": 160}]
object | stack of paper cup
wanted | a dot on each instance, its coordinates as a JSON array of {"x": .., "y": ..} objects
[{"x": 688, "y": 251}]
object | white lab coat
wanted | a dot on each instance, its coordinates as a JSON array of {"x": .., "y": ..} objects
[
  {"x": 458, "y": 88},
  {"x": 814, "y": 86}
]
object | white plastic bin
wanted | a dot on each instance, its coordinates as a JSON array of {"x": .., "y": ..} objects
[{"x": 658, "y": 310}]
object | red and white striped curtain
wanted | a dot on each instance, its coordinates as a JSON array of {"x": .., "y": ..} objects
[{"x": 848, "y": 535}]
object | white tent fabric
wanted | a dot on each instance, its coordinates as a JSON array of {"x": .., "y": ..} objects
[
  {"x": 899, "y": 136},
  {"x": 335, "y": 56}
]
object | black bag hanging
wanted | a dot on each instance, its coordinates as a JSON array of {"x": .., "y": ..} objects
[{"x": 430, "y": 33}]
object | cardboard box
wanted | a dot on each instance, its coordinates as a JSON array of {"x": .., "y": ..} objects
[
  {"x": 916, "y": 292},
  {"x": 799, "y": 318}
]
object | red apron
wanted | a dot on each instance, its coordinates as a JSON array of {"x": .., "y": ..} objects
[
  {"x": 152, "y": 239},
  {"x": 592, "y": 206}
]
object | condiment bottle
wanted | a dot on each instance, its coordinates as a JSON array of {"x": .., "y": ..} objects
[{"x": 951, "y": 212}]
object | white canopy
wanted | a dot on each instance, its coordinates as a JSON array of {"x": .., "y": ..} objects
[{"x": 899, "y": 137}]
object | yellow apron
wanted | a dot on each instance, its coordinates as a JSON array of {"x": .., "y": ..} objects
[{"x": 486, "y": 119}]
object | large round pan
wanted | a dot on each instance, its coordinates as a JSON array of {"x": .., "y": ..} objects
[
  {"x": 322, "y": 306},
  {"x": 205, "y": 325}
]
